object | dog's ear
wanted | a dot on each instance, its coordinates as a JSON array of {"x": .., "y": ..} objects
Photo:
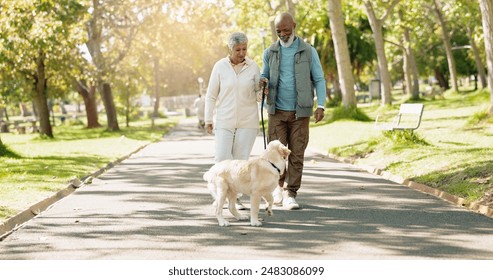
[
  {"x": 284, "y": 151},
  {"x": 287, "y": 152}
]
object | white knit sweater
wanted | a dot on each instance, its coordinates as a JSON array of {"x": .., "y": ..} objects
[{"x": 232, "y": 97}]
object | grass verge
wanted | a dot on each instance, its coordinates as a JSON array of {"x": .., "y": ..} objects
[
  {"x": 34, "y": 168},
  {"x": 451, "y": 150}
]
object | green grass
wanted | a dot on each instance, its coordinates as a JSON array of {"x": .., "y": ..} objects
[
  {"x": 452, "y": 150},
  {"x": 33, "y": 168}
]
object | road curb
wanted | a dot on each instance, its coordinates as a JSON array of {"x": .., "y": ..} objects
[
  {"x": 458, "y": 201},
  {"x": 15, "y": 222}
]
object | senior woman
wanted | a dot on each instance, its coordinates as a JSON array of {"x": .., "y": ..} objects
[{"x": 233, "y": 95}]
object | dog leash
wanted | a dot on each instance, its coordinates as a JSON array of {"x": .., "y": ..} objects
[{"x": 262, "y": 113}]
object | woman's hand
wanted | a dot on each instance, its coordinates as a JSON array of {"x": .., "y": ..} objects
[{"x": 209, "y": 128}]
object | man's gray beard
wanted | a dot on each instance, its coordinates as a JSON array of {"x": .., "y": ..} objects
[{"x": 289, "y": 42}]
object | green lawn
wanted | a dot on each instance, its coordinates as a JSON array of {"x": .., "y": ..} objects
[
  {"x": 40, "y": 167},
  {"x": 452, "y": 149}
]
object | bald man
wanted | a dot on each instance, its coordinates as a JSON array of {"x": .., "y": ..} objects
[{"x": 293, "y": 71}]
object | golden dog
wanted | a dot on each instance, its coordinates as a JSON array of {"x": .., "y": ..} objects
[{"x": 256, "y": 178}]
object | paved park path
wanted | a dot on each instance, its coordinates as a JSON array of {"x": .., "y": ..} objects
[{"x": 155, "y": 205}]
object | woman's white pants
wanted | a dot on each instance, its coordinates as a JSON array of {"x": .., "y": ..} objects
[{"x": 236, "y": 143}]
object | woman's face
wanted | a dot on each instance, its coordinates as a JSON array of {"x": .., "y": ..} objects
[{"x": 238, "y": 52}]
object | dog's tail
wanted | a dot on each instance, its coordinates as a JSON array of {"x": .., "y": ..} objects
[
  {"x": 210, "y": 174},
  {"x": 209, "y": 178}
]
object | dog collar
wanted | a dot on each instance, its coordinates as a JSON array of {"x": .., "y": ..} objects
[{"x": 277, "y": 168}]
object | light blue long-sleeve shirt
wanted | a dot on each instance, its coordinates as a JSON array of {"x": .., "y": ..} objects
[{"x": 286, "y": 97}]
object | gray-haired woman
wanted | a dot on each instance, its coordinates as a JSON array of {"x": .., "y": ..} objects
[{"x": 233, "y": 95}]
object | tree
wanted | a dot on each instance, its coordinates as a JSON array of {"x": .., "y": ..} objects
[
  {"x": 342, "y": 53},
  {"x": 437, "y": 9},
  {"x": 111, "y": 30},
  {"x": 38, "y": 40},
  {"x": 377, "y": 26},
  {"x": 477, "y": 57},
  {"x": 468, "y": 15},
  {"x": 88, "y": 93},
  {"x": 410, "y": 69},
  {"x": 401, "y": 37},
  {"x": 487, "y": 18}
]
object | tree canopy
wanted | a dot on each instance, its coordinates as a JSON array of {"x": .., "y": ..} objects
[{"x": 50, "y": 49}]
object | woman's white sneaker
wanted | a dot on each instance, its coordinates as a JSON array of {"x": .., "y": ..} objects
[{"x": 277, "y": 195}]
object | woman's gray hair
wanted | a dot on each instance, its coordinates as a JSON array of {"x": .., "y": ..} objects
[{"x": 237, "y": 38}]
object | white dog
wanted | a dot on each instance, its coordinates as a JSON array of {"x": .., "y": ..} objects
[{"x": 254, "y": 177}]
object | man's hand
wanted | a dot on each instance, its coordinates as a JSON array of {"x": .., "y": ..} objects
[
  {"x": 319, "y": 115},
  {"x": 264, "y": 82},
  {"x": 209, "y": 128}
]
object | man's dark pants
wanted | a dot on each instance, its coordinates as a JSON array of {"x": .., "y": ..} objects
[{"x": 293, "y": 132}]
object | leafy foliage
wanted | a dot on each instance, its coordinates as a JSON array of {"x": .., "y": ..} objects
[
  {"x": 404, "y": 137},
  {"x": 351, "y": 113}
]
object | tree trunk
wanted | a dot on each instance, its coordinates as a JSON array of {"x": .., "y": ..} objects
[
  {"x": 35, "y": 112},
  {"x": 109, "y": 105},
  {"x": 94, "y": 45},
  {"x": 89, "y": 96},
  {"x": 40, "y": 99},
  {"x": 337, "y": 89},
  {"x": 487, "y": 18},
  {"x": 127, "y": 106},
  {"x": 406, "y": 68},
  {"x": 477, "y": 59},
  {"x": 383, "y": 70},
  {"x": 411, "y": 67},
  {"x": 24, "y": 110},
  {"x": 447, "y": 44},
  {"x": 442, "y": 81},
  {"x": 415, "y": 73},
  {"x": 157, "y": 94},
  {"x": 5, "y": 113},
  {"x": 344, "y": 71}
]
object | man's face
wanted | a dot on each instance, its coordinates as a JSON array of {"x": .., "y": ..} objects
[{"x": 284, "y": 29}]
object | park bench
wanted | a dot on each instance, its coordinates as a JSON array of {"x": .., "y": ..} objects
[
  {"x": 19, "y": 126},
  {"x": 408, "y": 118},
  {"x": 363, "y": 98},
  {"x": 434, "y": 92}
]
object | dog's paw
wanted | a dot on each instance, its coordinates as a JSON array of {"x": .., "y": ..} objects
[
  {"x": 255, "y": 223},
  {"x": 224, "y": 223},
  {"x": 269, "y": 212},
  {"x": 243, "y": 218}
]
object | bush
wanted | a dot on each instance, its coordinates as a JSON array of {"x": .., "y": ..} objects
[
  {"x": 350, "y": 113},
  {"x": 482, "y": 116},
  {"x": 404, "y": 137}
]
